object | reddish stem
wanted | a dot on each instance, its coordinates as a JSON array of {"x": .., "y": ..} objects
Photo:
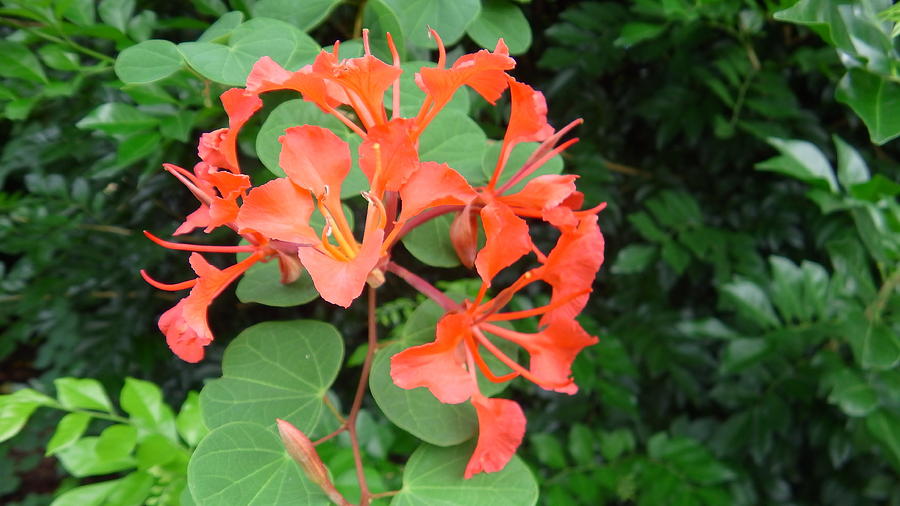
[
  {"x": 424, "y": 287},
  {"x": 365, "y": 496}
]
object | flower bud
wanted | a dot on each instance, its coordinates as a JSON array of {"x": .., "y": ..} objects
[
  {"x": 301, "y": 449},
  {"x": 464, "y": 236}
]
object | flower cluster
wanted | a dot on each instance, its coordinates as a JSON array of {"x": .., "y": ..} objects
[{"x": 404, "y": 191}]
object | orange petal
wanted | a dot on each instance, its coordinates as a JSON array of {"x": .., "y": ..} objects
[
  {"x": 267, "y": 75},
  {"x": 186, "y": 342},
  {"x": 399, "y": 156},
  {"x": 364, "y": 80},
  {"x": 501, "y": 427},
  {"x": 438, "y": 366},
  {"x": 279, "y": 210},
  {"x": 240, "y": 105},
  {"x": 528, "y": 114},
  {"x": 341, "y": 282},
  {"x": 315, "y": 158},
  {"x": 507, "y": 240},
  {"x": 433, "y": 184},
  {"x": 542, "y": 192}
]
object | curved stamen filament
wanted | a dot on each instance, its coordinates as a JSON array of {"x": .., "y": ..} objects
[
  {"x": 395, "y": 61},
  {"x": 342, "y": 235},
  {"x": 190, "y": 181},
  {"x": 515, "y": 315},
  {"x": 332, "y": 251},
  {"x": 169, "y": 287},
  {"x": 529, "y": 168},
  {"x": 379, "y": 209},
  {"x": 199, "y": 247},
  {"x": 512, "y": 364},
  {"x": 351, "y": 125},
  {"x": 482, "y": 365}
]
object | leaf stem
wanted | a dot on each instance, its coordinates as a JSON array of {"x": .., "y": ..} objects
[
  {"x": 365, "y": 496},
  {"x": 884, "y": 293}
]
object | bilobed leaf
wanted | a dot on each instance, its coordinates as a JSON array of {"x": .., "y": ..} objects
[
  {"x": 417, "y": 411},
  {"x": 262, "y": 284},
  {"x": 70, "y": 428},
  {"x": 430, "y": 242},
  {"x": 455, "y": 139},
  {"x": 148, "y": 62},
  {"x": 275, "y": 370},
  {"x": 222, "y": 28},
  {"x": 802, "y": 160},
  {"x": 501, "y": 19},
  {"x": 448, "y": 19},
  {"x": 16, "y": 60},
  {"x": 116, "y": 13},
  {"x": 434, "y": 477},
  {"x": 875, "y": 99},
  {"x": 143, "y": 401},
  {"x": 75, "y": 393},
  {"x": 117, "y": 118},
  {"x": 304, "y": 14},
  {"x": 245, "y": 463},
  {"x": 250, "y": 41}
]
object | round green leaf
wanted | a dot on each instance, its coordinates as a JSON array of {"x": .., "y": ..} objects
[
  {"x": 148, "y": 62},
  {"x": 275, "y": 370},
  {"x": 381, "y": 19},
  {"x": 434, "y": 476},
  {"x": 448, "y": 18},
  {"x": 304, "y": 14},
  {"x": 517, "y": 159},
  {"x": 248, "y": 43},
  {"x": 417, "y": 411},
  {"x": 430, "y": 242},
  {"x": 500, "y": 18},
  {"x": 222, "y": 28},
  {"x": 262, "y": 284},
  {"x": 245, "y": 463},
  {"x": 455, "y": 139}
]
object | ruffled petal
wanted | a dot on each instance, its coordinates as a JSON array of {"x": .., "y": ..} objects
[
  {"x": 484, "y": 71},
  {"x": 364, "y": 80},
  {"x": 507, "y": 240},
  {"x": 186, "y": 342},
  {"x": 399, "y": 155},
  {"x": 439, "y": 366},
  {"x": 341, "y": 282},
  {"x": 501, "y": 427},
  {"x": 267, "y": 75},
  {"x": 279, "y": 210},
  {"x": 433, "y": 184},
  {"x": 528, "y": 115},
  {"x": 572, "y": 265},
  {"x": 315, "y": 158},
  {"x": 542, "y": 192}
]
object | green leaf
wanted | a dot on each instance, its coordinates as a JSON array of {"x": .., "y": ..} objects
[
  {"x": 189, "y": 421},
  {"x": 245, "y": 463},
  {"x": 82, "y": 459},
  {"x": 802, "y": 160},
  {"x": 70, "y": 428},
  {"x": 116, "y": 442},
  {"x": 636, "y": 32},
  {"x": 692, "y": 460},
  {"x": 137, "y": 147},
  {"x": 147, "y": 62},
  {"x": 417, "y": 411},
  {"x": 880, "y": 348},
  {"x": 430, "y": 242},
  {"x": 117, "y": 118},
  {"x": 751, "y": 302},
  {"x": 18, "y": 61},
  {"x": 304, "y": 14},
  {"x": 223, "y": 27},
  {"x": 633, "y": 258},
  {"x": 132, "y": 490},
  {"x": 116, "y": 13},
  {"x": 448, "y": 19},
  {"x": 249, "y": 42},
  {"x": 143, "y": 401},
  {"x": 13, "y": 416},
  {"x": 500, "y": 18},
  {"x": 275, "y": 370},
  {"x": 57, "y": 56},
  {"x": 516, "y": 160},
  {"x": 875, "y": 99},
  {"x": 94, "y": 494},
  {"x": 158, "y": 450},
  {"x": 80, "y": 12},
  {"x": 74, "y": 393},
  {"x": 581, "y": 444},
  {"x": 852, "y": 394},
  {"x": 262, "y": 284},
  {"x": 381, "y": 19},
  {"x": 851, "y": 168},
  {"x": 434, "y": 477},
  {"x": 742, "y": 353},
  {"x": 455, "y": 139},
  {"x": 676, "y": 256},
  {"x": 616, "y": 443},
  {"x": 885, "y": 427},
  {"x": 549, "y": 450}
]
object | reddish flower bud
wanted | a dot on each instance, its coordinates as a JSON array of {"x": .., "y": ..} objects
[
  {"x": 464, "y": 236},
  {"x": 301, "y": 449}
]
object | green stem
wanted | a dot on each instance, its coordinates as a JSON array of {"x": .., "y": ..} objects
[{"x": 884, "y": 293}]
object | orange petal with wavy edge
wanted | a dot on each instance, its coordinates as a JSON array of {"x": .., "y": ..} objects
[
  {"x": 279, "y": 210},
  {"x": 240, "y": 105},
  {"x": 542, "y": 192},
  {"x": 433, "y": 184},
  {"x": 528, "y": 114},
  {"x": 507, "y": 240},
  {"x": 367, "y": 78},
  {"x": 501, "y": 427},
  {"x": 342, "y": 282},
  {"x": 438, "y": 366},
  {"x": 315, "y": 158},
  {"x": 398, "y": 152},
  {"x": 484, "y": 71},
  {"x": 267, "y": 75}
]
